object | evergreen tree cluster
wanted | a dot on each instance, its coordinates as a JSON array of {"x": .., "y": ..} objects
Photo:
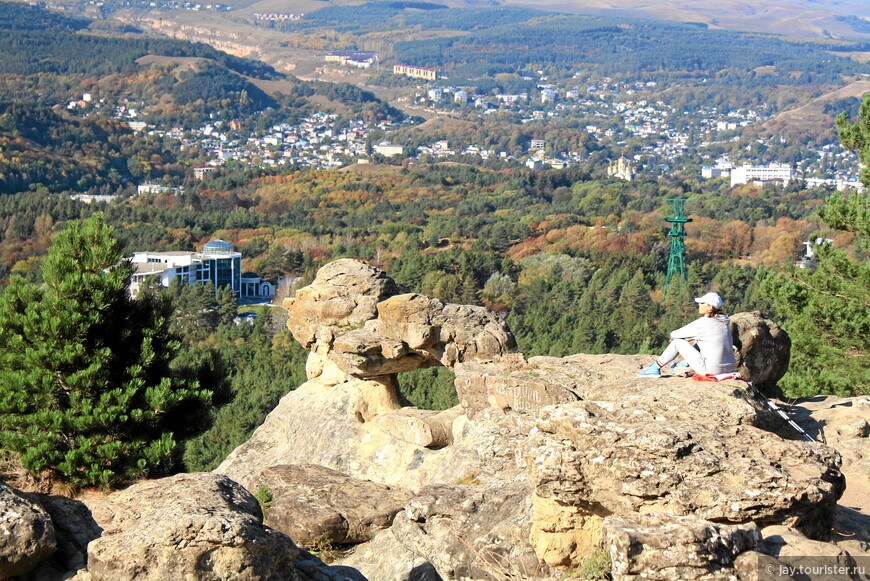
[
  {"x": 827, "y": 305},
  {"x": 86, "y": 392}
]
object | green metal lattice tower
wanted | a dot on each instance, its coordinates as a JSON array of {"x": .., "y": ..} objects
[{"x": 677, "y": 260}]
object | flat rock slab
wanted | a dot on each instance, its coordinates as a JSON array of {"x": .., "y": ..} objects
[
  {"x": 588, "y": 458},
  {"x": 512, "y": 383},
  {"x": 311, "y": 503},
  {"x": 678, "y": 548}
]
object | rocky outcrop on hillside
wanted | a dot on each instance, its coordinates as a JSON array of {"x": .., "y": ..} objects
[
  {"x": 191, "y": 526},
  {"x": 520, "y": 479},
  {"x": 545, "y": 463}
]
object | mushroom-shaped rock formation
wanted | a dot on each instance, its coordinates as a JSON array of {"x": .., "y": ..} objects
[{"x": 356, "y": 326}]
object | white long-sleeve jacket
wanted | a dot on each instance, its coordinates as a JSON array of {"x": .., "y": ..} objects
[{"x": 712, "y": 336}]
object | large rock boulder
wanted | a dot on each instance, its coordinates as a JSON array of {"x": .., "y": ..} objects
[
  {"x": 343, "y": 296},
  {"x": 26, "y": 533},
  {"x": 190, "y": 526},
  {"x": 762, "y": 350},
  {"x": 355, "y": 327},
  {"x": 315, "y": 504}
]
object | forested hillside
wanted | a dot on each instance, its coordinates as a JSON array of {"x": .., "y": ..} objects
[
  {"x": 576, "y": 263},
  {"x": 573, "y": 260},
  {"x": 52, "y": 139}
]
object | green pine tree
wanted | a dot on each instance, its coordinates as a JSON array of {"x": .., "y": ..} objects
[
  {"x": 826, "y": 307},
  {"x": 86, "y": 391}
]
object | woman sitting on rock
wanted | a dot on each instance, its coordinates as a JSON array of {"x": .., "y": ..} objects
[{"x": 705, "y": 344}]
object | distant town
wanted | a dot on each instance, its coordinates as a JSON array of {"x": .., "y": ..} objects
[{"x": 616, "y": 113}]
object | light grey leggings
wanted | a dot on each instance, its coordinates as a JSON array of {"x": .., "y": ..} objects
[{"x": 689, "y": 352}]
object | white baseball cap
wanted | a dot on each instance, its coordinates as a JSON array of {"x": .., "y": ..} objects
[{"x": 712, "y": 299}]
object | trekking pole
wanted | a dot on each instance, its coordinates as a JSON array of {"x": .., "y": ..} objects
[{"x": 757, "y": 394}]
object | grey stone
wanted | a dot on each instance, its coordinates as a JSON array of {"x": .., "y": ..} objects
[
  {"x": 762, "y": 350},
  {"x": 312, "y": 503},
  {"x": 26, "y": 533}
]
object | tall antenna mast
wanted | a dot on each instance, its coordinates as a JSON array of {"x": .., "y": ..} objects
[{"x": 677, "y": 259}]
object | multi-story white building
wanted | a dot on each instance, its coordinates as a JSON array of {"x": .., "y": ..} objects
[
  {"x": 218, "y": 264},
  {"x": 388, "y": 149},
  {"x": 722, "y": 168},
  {"x": 762, "y": 174}
]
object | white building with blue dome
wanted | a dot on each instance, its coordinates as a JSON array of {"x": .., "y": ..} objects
[{"x": 218, "y": 264}]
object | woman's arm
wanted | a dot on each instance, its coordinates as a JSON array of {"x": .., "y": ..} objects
[{"x": 689, "y": 331}]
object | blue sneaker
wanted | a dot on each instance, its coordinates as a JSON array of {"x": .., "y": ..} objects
[{"x": 652, "y": 370}]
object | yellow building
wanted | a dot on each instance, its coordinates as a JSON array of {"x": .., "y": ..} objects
[{"x": 415, "y": 72}]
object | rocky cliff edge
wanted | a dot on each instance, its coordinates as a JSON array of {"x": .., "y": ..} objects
[{"x": 545, "y": 462}]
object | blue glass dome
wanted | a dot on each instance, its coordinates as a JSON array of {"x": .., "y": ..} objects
[{"x": 217, "y": 247}]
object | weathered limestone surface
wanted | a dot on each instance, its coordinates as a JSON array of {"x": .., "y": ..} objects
[
  {"x": 470, "y": 532},
  {"x": 26, "y": 533},
  {"x": 843, "y": 423},
  {"x": 385, "y": 557},
  {"x": 211, "y": 529},
  {"x": 593, "y": 440},
  {"x": 448, "y": 333},
  {"x": 427, "y": 428},
  {"x": 312, "y": 503},
  {"x": 351, "y": 427},
  {"x": 343, "y": 296},
  {"x": 356, "y": 326},
  {"x": 678, "y": 548},
  {"x": 512, "y": 383},
  {"x": 599, "y": 462}
]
